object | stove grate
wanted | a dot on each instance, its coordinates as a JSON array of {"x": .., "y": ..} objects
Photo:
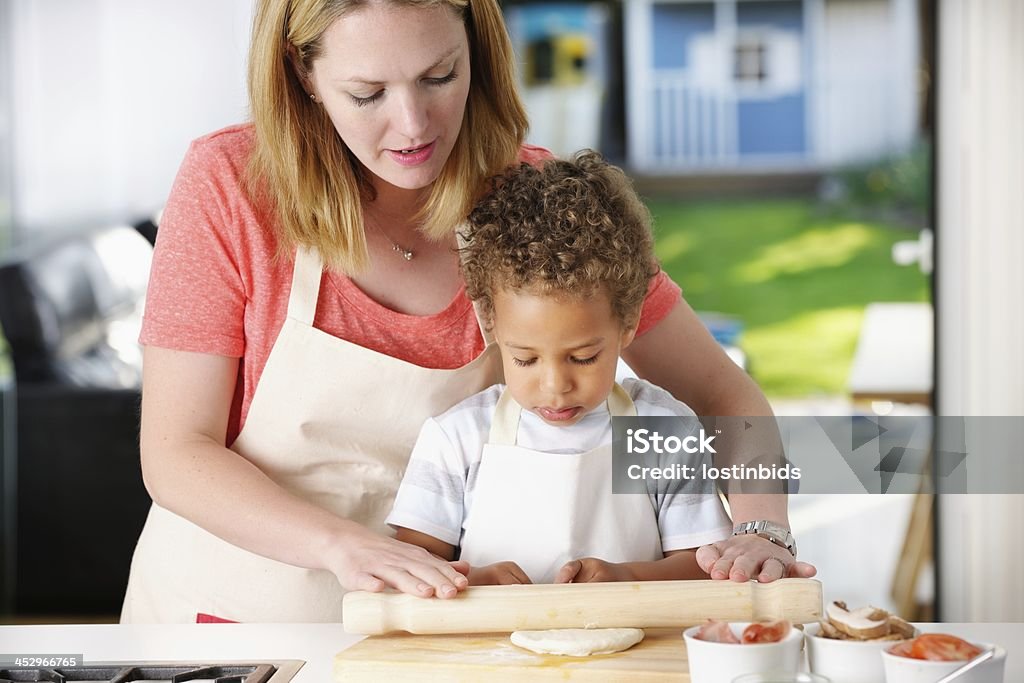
[{"x": 125, "y": 673}]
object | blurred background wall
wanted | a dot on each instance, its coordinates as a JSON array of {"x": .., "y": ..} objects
[
  {"x": 981, "y": 249},
  {"x": 104, "y": 96}
]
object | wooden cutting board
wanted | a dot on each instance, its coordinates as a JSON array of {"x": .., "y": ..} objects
[{"x": 660, "y": 656}]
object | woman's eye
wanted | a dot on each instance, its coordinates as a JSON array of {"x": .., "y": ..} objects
[
  {"x": 522, "y": 363},
  {"x": 585, "y": 361},
  {"x": 363, "y": 101},
  {"x": 443, "y": 79}
]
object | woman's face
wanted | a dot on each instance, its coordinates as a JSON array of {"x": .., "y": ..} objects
[{"x": 394, "y": 81}]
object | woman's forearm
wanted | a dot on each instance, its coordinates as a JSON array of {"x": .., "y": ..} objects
[
  {"x": 679, "y": 355},
  {"x": 188, "y": 470},
  {"x": 225, "y": 494}
]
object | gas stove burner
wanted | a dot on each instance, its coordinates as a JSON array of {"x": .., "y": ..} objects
[{"x": 163, "y": 672}]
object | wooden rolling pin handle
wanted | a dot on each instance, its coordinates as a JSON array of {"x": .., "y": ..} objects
[{"x": 486, "y": 609}]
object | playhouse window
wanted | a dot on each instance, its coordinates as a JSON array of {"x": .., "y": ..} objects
[{"x": 750, "y": 60}]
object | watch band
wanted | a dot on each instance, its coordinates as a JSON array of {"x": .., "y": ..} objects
[{"x": 776, "y": 533}]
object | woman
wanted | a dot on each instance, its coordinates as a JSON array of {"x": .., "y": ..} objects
[{"x": 280, "y": 399}]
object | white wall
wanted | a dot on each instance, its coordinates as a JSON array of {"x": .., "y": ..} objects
[
  {"x": 5, "y": 125},
  {"x": 865, "y": 78},
  {"x": 106, "y": 96},
  {"x": 980, "y": 286}
]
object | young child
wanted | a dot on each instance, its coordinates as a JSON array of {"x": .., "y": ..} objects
[{"x": 516, "y": 480}]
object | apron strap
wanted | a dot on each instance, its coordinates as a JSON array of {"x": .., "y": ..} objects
[
  {"x": 505, "y": 422},
  {"x": 305, "y": 285},
  {"x": 619, "y": 402},
  {"x": 484, "y": 332}
]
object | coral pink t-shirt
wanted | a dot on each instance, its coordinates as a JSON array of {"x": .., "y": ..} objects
[{"x": 217, "y": 288}]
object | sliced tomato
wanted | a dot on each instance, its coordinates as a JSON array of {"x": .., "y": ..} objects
[
  {"x": 716, "y": 632},
  {"x": 766, "y": 631},
  {"x": 902, "y": 649},
  {"x": 942, "y": 647}
]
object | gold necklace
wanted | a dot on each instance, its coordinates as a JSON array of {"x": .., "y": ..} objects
[{"x": 407, "y": 254}]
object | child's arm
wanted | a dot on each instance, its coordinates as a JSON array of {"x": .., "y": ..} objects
[
  {"x": 445, "y": 551},
  {"x": 499, "y": 573},
  {"x": 677, "y": 564}
]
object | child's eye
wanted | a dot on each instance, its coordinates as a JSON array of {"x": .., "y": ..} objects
[
  {"x": 586, "y": 361},
  {"x": 523, "y": 363},
  {"x": 363, "y": 101}
]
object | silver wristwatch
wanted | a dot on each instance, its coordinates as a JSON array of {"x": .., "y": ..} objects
[{"x": 776, "y": 533}]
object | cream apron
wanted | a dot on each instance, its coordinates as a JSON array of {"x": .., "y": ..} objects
[
  {"x": 331, "y": 422},
  {"x": 541, "y": 510}
]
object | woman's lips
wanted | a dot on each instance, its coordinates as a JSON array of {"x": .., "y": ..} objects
[
  {"x": 413, "y": 156},
  {"x": 558, "y": 415}
]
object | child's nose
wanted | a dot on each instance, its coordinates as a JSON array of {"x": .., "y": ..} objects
[{"x": 557, "y": 380}]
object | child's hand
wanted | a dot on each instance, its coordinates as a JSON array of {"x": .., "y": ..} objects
[
  {"x": 497, "y": 574},
  {"x": 593, "y": 570}
]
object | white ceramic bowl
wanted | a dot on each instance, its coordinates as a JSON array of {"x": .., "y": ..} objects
[
  {"x": 908, "y": 670},
  {"x": 845, "y": 661},
  {"x": 722, "y": 662}
]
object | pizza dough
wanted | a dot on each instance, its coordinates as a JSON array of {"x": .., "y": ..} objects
[{"x": 578, "y": 642}]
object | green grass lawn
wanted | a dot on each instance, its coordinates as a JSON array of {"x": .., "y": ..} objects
[{"x": 797, "y": 279}]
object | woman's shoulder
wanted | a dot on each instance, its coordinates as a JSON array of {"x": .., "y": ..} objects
[
  {"x": 228, "y": 148},
  {"x": 215, "y": 172},
  {"x": 228, "y": 138}
]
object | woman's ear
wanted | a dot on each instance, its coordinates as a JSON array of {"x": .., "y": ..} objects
[{"x": 304, "y": 76}]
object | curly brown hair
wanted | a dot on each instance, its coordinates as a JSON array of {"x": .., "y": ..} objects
[{"x": 567, "y": 228}]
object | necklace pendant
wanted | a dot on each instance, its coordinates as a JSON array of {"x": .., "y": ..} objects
[{"x": 406, "y": 253}]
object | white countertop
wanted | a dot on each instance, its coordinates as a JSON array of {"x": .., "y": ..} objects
[{"x": 315, "y": 643}]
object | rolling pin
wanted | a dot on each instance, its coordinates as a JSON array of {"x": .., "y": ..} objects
[{"x": 646, "y": 604}]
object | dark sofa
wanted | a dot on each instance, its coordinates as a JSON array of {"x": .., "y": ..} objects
[{"x": 70, "y": 309}]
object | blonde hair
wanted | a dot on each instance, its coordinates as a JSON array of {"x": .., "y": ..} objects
[
  {"x": 569, "y": 228},
  {"x": 315, "y": 184}
]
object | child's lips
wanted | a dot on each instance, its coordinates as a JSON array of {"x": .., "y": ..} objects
[{"x": 558, "y": 414}]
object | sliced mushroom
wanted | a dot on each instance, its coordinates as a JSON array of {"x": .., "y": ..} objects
[
  {"x": 864, "y": 623},
  {"x": 830, "y": 631},
  {"x": 901, "y": 628}
]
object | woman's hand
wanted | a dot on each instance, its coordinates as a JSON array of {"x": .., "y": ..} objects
[
  {"x": 741, "y": 558},
  {"x": 498, "y": 574},
  {"x": 364, "y": 560},
  {"x": 593, "y": 570}
]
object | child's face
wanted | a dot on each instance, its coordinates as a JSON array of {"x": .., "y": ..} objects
[{"x": 559, "y": 354}]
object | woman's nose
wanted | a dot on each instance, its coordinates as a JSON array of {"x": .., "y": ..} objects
[{"x": 412, "y": 117}]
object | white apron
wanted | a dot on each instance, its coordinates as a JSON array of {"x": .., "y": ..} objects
[
  {"x": 331, "y": 422},
  {"x": 541, "y": 510}
]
